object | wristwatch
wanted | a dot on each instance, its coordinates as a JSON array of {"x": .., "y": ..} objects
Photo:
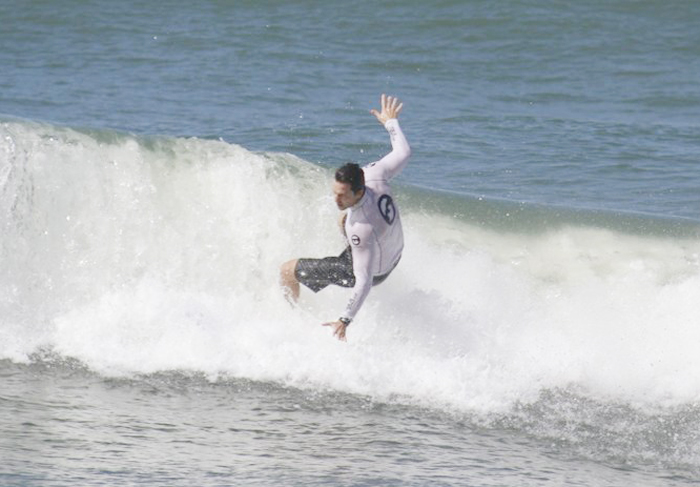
[{"x": 344, "y": 320}]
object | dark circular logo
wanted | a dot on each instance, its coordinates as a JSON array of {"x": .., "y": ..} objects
[
  {"x": 387, "y": 208},
  {"x": 355, "y": 240}
]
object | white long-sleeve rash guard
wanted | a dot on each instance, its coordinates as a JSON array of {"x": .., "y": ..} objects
[{"x": 373, "y": 225}]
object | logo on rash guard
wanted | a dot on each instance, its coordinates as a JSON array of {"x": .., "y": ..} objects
[
  {"x": 355, "y": 240},
  {"x": 387, "y": 208}
]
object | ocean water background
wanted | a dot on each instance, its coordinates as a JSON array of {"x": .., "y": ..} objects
[{"x": 159, "y": 161}]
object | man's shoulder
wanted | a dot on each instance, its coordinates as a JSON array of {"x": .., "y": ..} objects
[{"x": 361, "y": 225}]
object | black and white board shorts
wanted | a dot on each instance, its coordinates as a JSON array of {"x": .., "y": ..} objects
[{"x": 316, "y": 274}]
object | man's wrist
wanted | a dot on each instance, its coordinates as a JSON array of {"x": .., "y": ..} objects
[{"x": 345, "y": 321}]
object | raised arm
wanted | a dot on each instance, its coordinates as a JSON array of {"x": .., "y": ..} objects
[{"x": 393, "y": 163}]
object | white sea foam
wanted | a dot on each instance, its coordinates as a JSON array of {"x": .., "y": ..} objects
[{"x": 136, "y": 256}]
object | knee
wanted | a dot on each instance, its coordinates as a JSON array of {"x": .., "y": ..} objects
[{"x": 287, "y": 270}]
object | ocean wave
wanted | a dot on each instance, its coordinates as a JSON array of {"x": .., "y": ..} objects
[{"x": 138, "y": 255}]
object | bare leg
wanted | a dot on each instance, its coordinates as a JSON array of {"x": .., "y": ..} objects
[{"x": 289, "y": 282}]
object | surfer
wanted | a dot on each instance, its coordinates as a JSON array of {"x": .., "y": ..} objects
[{"x": 370, "y": 222}]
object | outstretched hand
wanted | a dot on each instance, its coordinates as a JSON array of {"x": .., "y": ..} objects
[
  {"x": 391, "y": 107},
  {"x": 338, "y": 329}
]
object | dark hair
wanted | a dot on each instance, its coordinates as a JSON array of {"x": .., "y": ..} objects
[{"x": 351, "y": 174}]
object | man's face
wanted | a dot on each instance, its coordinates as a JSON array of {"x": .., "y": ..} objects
[{"x": 344, "y": 197}]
